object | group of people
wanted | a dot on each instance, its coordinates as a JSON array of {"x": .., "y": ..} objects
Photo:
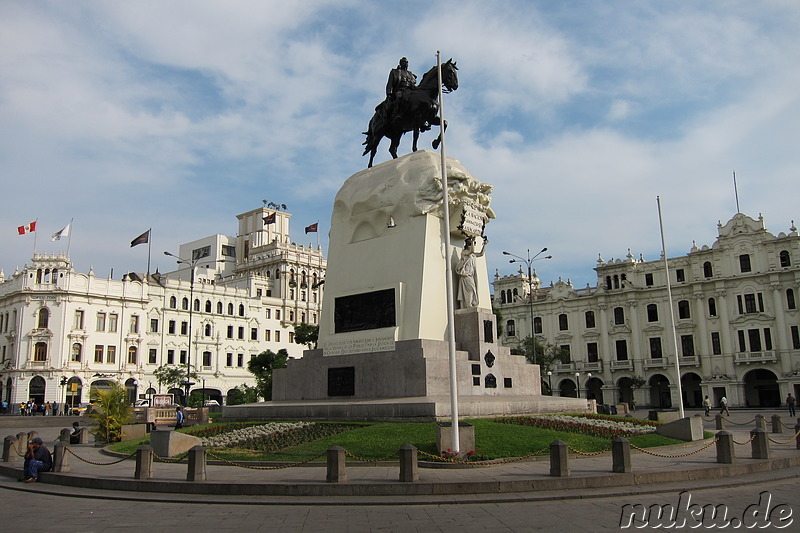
[
  {"x": 791, "y": 403},
  {"x": 31, "y": 408}
]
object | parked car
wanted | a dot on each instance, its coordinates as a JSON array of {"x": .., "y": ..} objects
[
  {"x": 211, "y": 403},
  {"x": 142, "y": 403}
]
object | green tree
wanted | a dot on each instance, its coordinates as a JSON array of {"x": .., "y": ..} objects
[
  {"x": 244, "y": 393},
  {"x": 306, "y": 334},
  {"x": 262, "y": 366},
  {"x": 171, "y": 376},
  {"x": 111, "y": 413},
  {"x": 547, "y": 354}
]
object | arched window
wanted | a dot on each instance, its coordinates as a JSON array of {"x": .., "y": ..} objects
[
  {"x": 616, "y": 281},
  {"x": 44, "y": 317},
  {"x": 683, "y": 309},
  {"x": 785, "y": 259},
  {"x": 516, "y": 293},
  {"x": 502, "y": 297},
  {"x": 208, "y": 306},
  {"x": 563, "y": 322},
  {"x": 230, "y": 309},
  {"x": 132, "y": 355},
  {"x": 241, "y": 309},
  {"x": 277, "y": 273},
  {"x": 708, "y": 270},
  {"x": 185, "y": 304},
  {"x": 744, "y": 263},
  {"x": 652, "y": 313},
  {"x": 712, "y": 307},
  {"x": 197, "y": 304},
  {"x": 537, "y": 325},
  {"x": 790, "y": 299},
  {"x": 511, "y": 329},
  {"x": 173, "y": 302},
  {"x": 40, "y": 351},
  {"x": 219, "y": 308},
  {"x": 54, "y": 277},
  {"x": 619, "y": 316},
  {"x": 76, "y": 352},
  {"x": 608, "y": 282},
  {"x": 208, "y": 330},
  {"x": 590, "y": 322}
]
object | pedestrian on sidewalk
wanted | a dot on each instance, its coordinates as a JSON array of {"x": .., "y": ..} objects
[
  {"x": 723, "y": 404},
  {"x": 707, "y": 405},
  {"x": 790, "y": 403},
  {"x": 178, "y": 418}
]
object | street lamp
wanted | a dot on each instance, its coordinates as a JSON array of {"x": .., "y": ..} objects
[
  {"x": 528, "y": 262},
  {"x": 549, "y": 383},
  {"x": 578, "y": 383}
]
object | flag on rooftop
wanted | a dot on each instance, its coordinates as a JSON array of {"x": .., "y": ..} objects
[
  {"x": 141, "y": 239},
  {"x": 312, "y": 228},
  {"x": 27, "y": 228},
  {"x": 269, "y": 219},
  {"x": 64, "y": 232}
]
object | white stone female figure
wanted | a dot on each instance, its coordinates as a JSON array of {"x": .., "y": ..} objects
[{"x": 465, "y": 269}]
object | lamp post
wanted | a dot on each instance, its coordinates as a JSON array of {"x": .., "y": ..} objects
[
  {"x": 550, "y": 383},
  {"x": 578, "y": 383},
  {"x": 528, "y": 261}
]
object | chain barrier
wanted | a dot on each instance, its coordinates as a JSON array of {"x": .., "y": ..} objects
[
  {"x": 363, "y": 460},
  {"x": 588, "y": 454},
  {"x": 748, "y": 441},
  {"x": 482, "y": 463},
  {"x": 665, "y": 456},
  {"x": 708, "y": 419},
  {"x": 738, "y": 423},
  {"x": 176, "y": 459},
  {"x": 786, "y": 425},
  {"x": 785, "y": 442},
  {"x": 96, "y": 463},
  {"x": 254, "y": 467}
]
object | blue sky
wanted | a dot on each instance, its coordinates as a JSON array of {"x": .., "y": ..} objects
[{"x": 179, "y": 115}]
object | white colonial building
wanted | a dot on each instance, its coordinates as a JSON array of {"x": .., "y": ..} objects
[
  {"x": 63, "y": 333},
  {"x": 736, "y": 319}
]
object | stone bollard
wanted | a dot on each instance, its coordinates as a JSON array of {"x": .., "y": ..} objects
[
  {"x": 22, "y": 444},
  {"x": 144, "y": 463},
  {"x": 83, "y": 436},
  {"x": 720, "y": 424},
  {"x": 197, "y": 464},
  {"x": 409, "y": 465},
  {"x": 61, "y": 457},
  {"x": 725, "y": 453},
  {"x": 10, "y": 450},
  {"x": 621, "y": 455},
  {"x": 777, "y": 426},
  {"x": 559, "y": 460},
  {"x": 760, "y": 444},
  {"x": 63, "y": 436},
  {"x": 31, "y": 435},
  {"x": 336, "y": 465},
  {"x": 761, "y": 422},
  {"x": 797, "y": 437}
]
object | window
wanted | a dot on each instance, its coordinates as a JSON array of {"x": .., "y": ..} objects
[
  {"x": 619, "y": 316},
  {"x": 229, "y": 359},
  {"x": 253, "y": 334},
  {"x": 153, "y": 325},
  {"x": 185, "y": 304},
  {"x": 267, "y": 335},
  {"x": 75, "y": 355},
  {"x": 744, "y": 263},
  {"x": 196, "y": 305},
  {"x": 537, "y": 325},
  {"x": 268, "y": 313},
  {"x": 171, "y": 327},
  {"x": 790, "y": 303},
  {"x": 277, "y": 336},
  {"x": 183, "y": 357},
  {"x": 134, "y": 324},
  {"x": 716, "y": 345},
  {"x": 101, "y": 322},
  {"x": 291, "y": 336},
  {"x": 206, "y": 358},
  {"x": 228, "y": 251},
  {"x": 652, "y": 313},
  {"x": 655, "y": 348},
  {"x": 622, "y": 350},
  {"x": 566, "y": 353},
  {"x": 241, "y": 309},
  {"x": 98, "y": 353},
  {"x": 680, "y": 275},
  {"x": 132, "y": 355},
  {"x": 207, "y": 330},
  {"x": 785, "y": 259},
  {"x": 40, "y": 351},
  {"x": 229, "y": 333},
  {"x": 240, "y": 332},
  {"x": 683, "y": 309},
  {"x": 239, "y": 359},
  {"x": 219, "y": 308},
  {"x": 230, "y": 309},
  {"x": 184, "y": 328},
  {"x": 111, "y": 354},
  {"x": 112, "y": 323},
  {"x": 563, "y": 322},
  {"x": 208, "y": 306},
  {"x": 754, "y": 338},
  {"x": 77, "y": 320},
  {"x": 277, "y": 314},
  {"x": 592, "y": 354},
  {"x": 173, "y": 302},
  {"x": 687, "y": 345},
  {"x": 795, "y": 337},
  {"x": 648, "y": 279},
  {"x": 712, "y": 307},
  {"x": 152, "y": 356},
  {"x": 170, "y": 357},
  {"x": 767, "y": 339},
  {"x": 742, "y": 341},
  {"x": 708, "y": 270},
  {"x": 44, "y": 318},
  {"x": 590, "y": 323},
  {"x": 199, "y": 253},
  {"x": 753, "y": 303},
  {"x": 511, "y": 329}
]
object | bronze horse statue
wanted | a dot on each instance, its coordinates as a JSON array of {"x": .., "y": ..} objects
[{"x": 419, "y": 112}]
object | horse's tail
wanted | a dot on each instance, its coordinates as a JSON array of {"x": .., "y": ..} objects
[{"x": 373, "y": 135}]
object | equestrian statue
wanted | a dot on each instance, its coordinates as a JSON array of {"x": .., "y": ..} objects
[{"x": 408, "y": 107}]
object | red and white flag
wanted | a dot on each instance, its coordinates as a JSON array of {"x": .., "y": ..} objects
[{"x": 27, "y": 228}]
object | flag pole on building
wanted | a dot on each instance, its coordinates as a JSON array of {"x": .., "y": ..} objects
[
  {"x": 141, "y": 239},
  {"x": 451, "y": 338},
  {"x": 671, "y": 310}
]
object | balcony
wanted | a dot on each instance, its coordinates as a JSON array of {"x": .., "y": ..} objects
[
  {"x": 689, "y": 360},
  {"x": 756, "y": 357},
  {"x": 595, "y": 366},
  {"x": 656, "y": 362},
  {"x": 564, "y": 367},
  {"x": 622, "y": 365}
]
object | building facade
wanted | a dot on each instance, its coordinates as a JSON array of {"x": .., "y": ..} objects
[
  {"x": 65, "y": 334},
  {"x": 737, "y": 326}
]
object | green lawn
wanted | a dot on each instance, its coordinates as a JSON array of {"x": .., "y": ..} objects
[{"x": 377, "y": 440}]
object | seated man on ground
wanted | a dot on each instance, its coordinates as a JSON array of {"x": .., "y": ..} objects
[{"x": 37, "y": 459}]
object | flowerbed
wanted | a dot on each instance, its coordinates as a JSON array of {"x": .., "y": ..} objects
[
  {"x": 585, "y": 424},
  {"x": 225, "y": 437}
]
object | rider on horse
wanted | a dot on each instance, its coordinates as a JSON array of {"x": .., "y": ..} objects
[{"x": 401, "y": 82}]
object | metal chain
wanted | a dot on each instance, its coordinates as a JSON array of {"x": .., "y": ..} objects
[
  {"x": 588, "y": 454},
  {"x": 482, "y": 463},
  {"x": 253, "y": 467},
  {"x": 737, "y": 423},
  {"x": 785, "y": 442},
  {"x": 176, "y": 459},
  {"x": 644, "y": 450},
  {"x": 753, "y": 436},
  {"x": 361, "y": 459},
  {"x": 96, "y": 463},
  {"x": 786, "y": 425}
]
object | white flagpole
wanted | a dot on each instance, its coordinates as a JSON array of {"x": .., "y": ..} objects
[
  {"x": 671, "y": 310},
  {"x": 35, "y": 234},
  {"x": 69, "y": 237},
  {"x": 149, "y": 243},
  {"x": 451, "y": 338}
]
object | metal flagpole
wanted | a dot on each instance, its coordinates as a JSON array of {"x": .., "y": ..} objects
[
  {"x": 671, "y": 309},
  {"x": 451, "y": 337},
  {"x": 35, "y": 234},
  {"x": 69, "y": 237},
  {"x": 149, "y": 243},
  {"x": 736, "y": 192}
]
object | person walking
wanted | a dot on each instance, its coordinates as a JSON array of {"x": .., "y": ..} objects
[
  {"x": 723, "y": 404},
  {"x": 178, "y": 418},
  {"x": 707, "y": 405},
  {"x": 790, "y": 403}
]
